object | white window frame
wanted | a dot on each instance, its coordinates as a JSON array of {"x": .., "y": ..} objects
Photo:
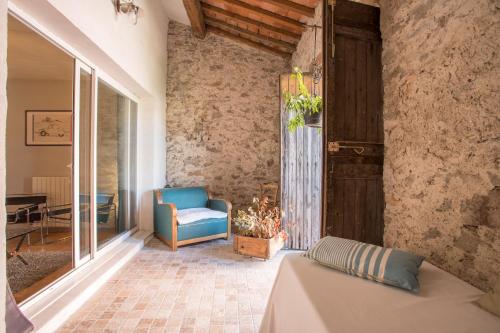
[{"x": 81, "y": 62}]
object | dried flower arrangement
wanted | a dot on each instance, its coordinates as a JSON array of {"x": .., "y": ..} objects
[{"x": 260, "y": 221}]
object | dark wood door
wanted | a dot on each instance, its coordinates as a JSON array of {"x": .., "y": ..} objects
[{"x": 354, "y": 200}]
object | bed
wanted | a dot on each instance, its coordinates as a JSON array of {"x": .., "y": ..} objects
[{"x": 308, "y": 297}]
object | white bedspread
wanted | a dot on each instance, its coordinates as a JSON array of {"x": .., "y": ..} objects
[
  {"x": 190, "y": 215},
  {"x": 308, "y": 297}
]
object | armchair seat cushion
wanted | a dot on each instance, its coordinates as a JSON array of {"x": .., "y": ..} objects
[
  {"x": 201, "y": 228},
  {"x": 190, "y": 215}
]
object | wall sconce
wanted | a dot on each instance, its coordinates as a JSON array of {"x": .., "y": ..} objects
[{"x": 127, "y": 7}]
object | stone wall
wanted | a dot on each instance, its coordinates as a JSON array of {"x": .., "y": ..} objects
[
  {"x": 107, "y": 150},
  {"x": 223, "y": 117},
  {"x": 303, "y": 55},
  {"x": 442, "y": 125},
  {"x": 3, "y": 123},
  {"x": 112, "y": 136}
]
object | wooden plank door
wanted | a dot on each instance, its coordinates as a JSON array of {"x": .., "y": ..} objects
[
  {"x": 354, "y": 129},
  {"x": 301, "y": 175}
]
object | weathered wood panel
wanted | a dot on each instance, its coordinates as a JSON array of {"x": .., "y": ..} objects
[
  {"x": 257, "y": 247},
  {"x": 354, "y": 188},
  {"x": 301, "y": 177}
]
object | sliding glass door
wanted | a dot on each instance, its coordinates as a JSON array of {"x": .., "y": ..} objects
[
  {"x": 39, "y": 158},
  {"x": 71, "y": 161},
  {"x": 82, "y": 168},
  {"x": 133, "y": 215},
  {"x": 115, "y": 171},
  {"x": 105, "y": 165}
]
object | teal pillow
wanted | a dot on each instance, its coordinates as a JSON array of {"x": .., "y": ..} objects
[{"x": 389, "y": 266}]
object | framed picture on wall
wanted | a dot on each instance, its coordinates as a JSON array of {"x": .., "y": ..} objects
[{"x": 49, "y": 128}]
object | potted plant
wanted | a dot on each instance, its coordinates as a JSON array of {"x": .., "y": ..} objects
[
  {"x": 306, "y": 108},
  {"x": 258, "y": 231}
]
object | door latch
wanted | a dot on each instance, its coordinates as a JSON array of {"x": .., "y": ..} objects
[{"x": 334, "y": 146}]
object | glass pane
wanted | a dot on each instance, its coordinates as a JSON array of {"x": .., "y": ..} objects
[
  {"x": 39, "y": 158},
  {"x": 133, "y": 164},
  {"x": 112, "y": 163},
  {"x": 85, "y": 151}
]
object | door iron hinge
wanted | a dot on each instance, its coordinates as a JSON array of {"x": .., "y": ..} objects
[{"x": 332, "y": 3}]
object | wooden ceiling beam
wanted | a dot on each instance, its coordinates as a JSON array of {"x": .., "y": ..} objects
[
  {"x": 260, "y": 38},
  {"x": 248, "y": 42},
  {"x": 266, "y": 13},
  {"x": 245, "y": 20},
  {"x": 293, "y": 6},
  {"x": 195, "y": 14}
]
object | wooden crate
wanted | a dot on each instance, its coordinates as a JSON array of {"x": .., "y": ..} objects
[{"x": 257, "y": 247}]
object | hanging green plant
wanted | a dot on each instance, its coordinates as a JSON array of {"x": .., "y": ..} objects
[{"x": 304, "y": 107}]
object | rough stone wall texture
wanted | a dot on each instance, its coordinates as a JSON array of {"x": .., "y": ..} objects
[
  {"x": 107, "y": 150},
  {"x": 303, "y": 55},
  {"x": 223, "y": 117},
  {"x": 113, "y": 132},
  {"x": 3, "y": 123},
  {"x": 442, "y": 133}
]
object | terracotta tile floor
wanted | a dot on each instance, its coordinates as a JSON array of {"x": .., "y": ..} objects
[{"x": 200, "y": 288}]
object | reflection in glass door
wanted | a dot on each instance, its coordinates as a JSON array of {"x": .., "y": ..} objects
[
  {"x": 115, "y": 163},
  {"x": 39, "y": 233},
  {"x": 71, "y": 162}
]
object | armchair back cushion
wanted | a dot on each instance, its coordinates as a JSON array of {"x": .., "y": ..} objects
[{"x": 186, "y": 197}]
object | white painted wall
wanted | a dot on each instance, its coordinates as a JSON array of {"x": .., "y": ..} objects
[
  {"x": 3, "y": 114},
  {"x": 133, "y": 55},
  {"x": 25, "y": 162},
  {"x": 176, "y": 11}
]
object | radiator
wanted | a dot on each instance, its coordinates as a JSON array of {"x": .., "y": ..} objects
[{"x": 58, "y": 189}]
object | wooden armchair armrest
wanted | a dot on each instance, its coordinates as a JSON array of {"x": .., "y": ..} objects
[
  {"x": 222, "y": 205},
  {"x": 165, "y": 220}
]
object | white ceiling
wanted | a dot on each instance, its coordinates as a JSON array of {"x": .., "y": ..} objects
[
  {"x": 175, "y": 11},
  {"x": 32, "y": 57}
]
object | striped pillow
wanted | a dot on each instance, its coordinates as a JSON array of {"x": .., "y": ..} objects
[{"x": 389, "y": 266}]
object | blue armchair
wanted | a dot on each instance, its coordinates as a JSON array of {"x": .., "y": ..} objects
[{"x": 167, "y": 203}]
